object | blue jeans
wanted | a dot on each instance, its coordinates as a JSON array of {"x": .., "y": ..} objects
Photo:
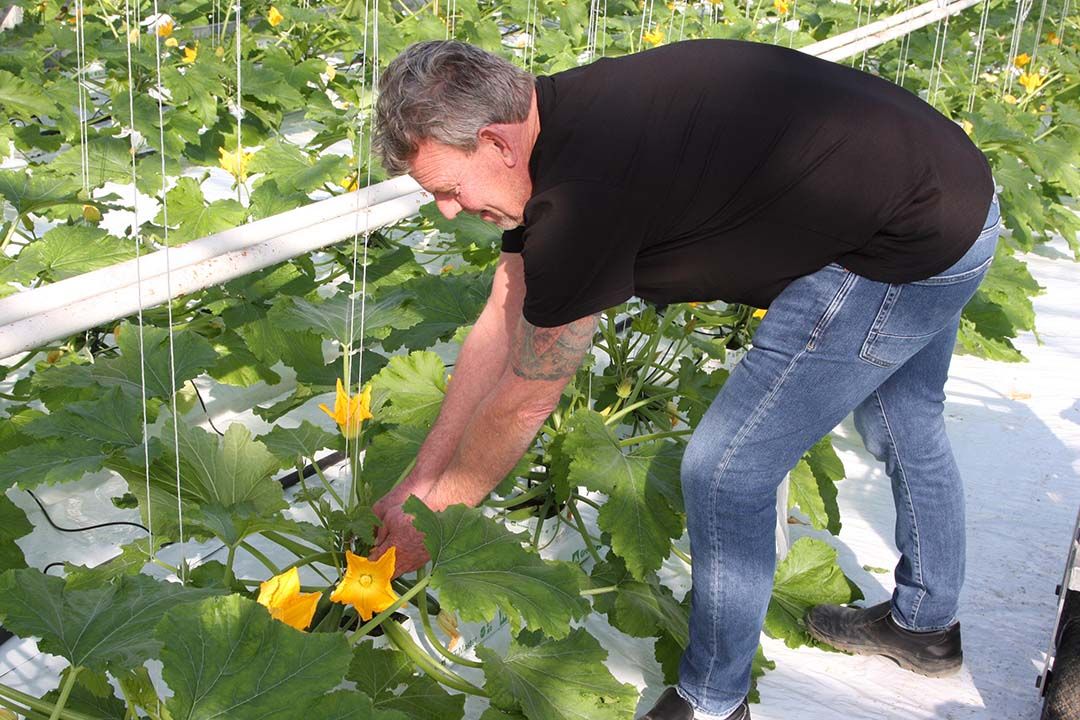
[{"x": 833, "y": 342}]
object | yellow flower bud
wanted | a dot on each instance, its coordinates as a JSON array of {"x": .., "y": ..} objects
[
  {"x": 91, "y": 213},
  {"x": 274, "y": 17},
  {"x": 624, "y": 388}
]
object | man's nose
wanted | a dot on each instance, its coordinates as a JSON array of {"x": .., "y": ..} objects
[{"x": 448, "y": 207}]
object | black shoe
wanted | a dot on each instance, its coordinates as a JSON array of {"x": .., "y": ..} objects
[
  {"x": 672, "y": 706},
  {"x": 872, "y": 631}
]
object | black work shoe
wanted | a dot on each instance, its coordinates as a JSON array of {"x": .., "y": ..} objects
[
  {"x": 872, "y": 631},
  {"x": 672, "y": 706}
]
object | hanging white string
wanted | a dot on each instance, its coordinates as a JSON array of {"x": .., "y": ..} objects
[
  {"x": 1023, "y": 7},
  {"x": 1061, "y": 25},
  {"x": 795, "y": 18},
  {"x": 180, "y": 565},
  {"x": 976, "y": 64},
  {"x": 603, "y": 32},
  {"x": 534, "y": 27},
  {"x": 1038, "y": 34},
  {"x": 136, "y": 232},
  {"x": 858, "y": 22},
  {"x": 905, "y": 47},
  {"x": 84, "y": 134},
  {"x": 239, "y": 112},
  {"x": 936, "y": 77}
]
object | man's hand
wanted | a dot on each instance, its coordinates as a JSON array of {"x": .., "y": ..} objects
[{"x": 397, "y": 528}]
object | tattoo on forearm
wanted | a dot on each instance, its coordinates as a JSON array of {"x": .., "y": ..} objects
[{"x": 551, "y": 353}]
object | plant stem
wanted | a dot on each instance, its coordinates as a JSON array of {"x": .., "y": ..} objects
[
  {"x": 326, "y": 484},
  {"x": 540, "y": 521},
  {"x": 599, "y": 590},
  {"x": 366, "y": 627},
  {"x": 425, "y": 620},
  {"x": 404, "y": 642},
  {"x": 653, "y": 436},
  {"x": 72, "y": 676},
  {"x": 680, "y": 554},
  {"x": 584, "y": 532},
  {"x": 260, "y": 556},
  {"x": 229, "y": 566},
  {"x": 520, "y": 498}
]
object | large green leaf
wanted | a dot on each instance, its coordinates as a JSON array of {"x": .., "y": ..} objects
[
  {"x": 13, "y": 525},
  {"x": 29, "y": 193},
  {"x": 191, "y": 355},
  {"x": 293, "y": 171},
  {"x": 49, "y": 462},
  {"x": 1000, "y": 309},
  {"x": 237, "y": 365},
  {"x": 643, "y": 510},
  {"x": 303, "y": 441},
  {"x": 480, "y": 567},
  {"x": 108, "y": 159},
  {"x": 410, "y": 389},
  {"x": 388, "y": 456},
  {"x": 190, "y": 217},
  {"x": 550, "y": 679},
  {"x": 115, "y": 418},
  {"x": 69, "y": 250},
  {"x": 813, "y": 486},
  {"x": 639, "y": 609},
  {"x": 338, "y": 318},
  {"x": 350, "y": 705},
  {"x": 443, "y": 304},
  {"x": 386, "y": 676},
  {"x": 229, "y": 471},
  {"x": 23, "y": 99},
  {"x": 808, "y": 576},
  {"x": 103, "y": 628},
  {"x": 225, "y": 657}
]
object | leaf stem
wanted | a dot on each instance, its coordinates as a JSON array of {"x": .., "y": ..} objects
[
  {"x": 69, "y": 683},
  {"x": 425, "y": 620},
  {"x": 653, "y": 436},
  {"x": 580, "y": 524},
  {"x": 260, "y": 556},
  {"x": 404, "y": 642},
  {"x": 680, "y": 554},
  {"x": 599, "y": 590}
]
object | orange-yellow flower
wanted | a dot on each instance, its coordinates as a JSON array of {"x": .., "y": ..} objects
[
  {"x": 1021, "y": 60},
  {"x": 449, "y": 624},
  {"x": 274, "y": 17},
  {"x": 780, "y": 6},
  {"x": 234, "y": 163},
  {"x": 366, "y": 585},
  {"x": 1031, "y": 81},
  {"x": 172, "y": 42},
  {"x": 759, "y": 313},
  {"x": 165, "y": 28},
  {"x": 350, "y": 412},
  {"x": 282, "y": 597},
  {"x": 1052, "y": 38},
  {"x": 654, "y": 37},
  {"x": 349, "y": 183},
  {"x": 190, "y": 53},
  {"x": 1009, "y": 99},
  {"x": 91, "y": 214}
]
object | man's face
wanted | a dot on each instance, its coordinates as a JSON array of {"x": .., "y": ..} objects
[{"x": 479, "y": 183}]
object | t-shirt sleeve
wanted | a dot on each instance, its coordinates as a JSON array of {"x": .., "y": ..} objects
[
  {"x": 579, "y": 243},
  {"x": 513, "y": 240}
]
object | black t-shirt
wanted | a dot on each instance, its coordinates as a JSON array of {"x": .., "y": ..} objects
[{"x": 724, "y": 169}]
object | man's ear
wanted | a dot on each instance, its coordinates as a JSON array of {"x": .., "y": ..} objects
[{"x": 499, "y": 140}]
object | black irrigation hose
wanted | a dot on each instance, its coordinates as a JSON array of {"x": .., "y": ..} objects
[{"x": 82, "y": 529}]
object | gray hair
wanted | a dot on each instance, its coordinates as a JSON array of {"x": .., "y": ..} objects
[{"x": 446, "y": 91}]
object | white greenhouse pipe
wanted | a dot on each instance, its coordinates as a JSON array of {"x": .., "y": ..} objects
[
  {"x": 123, "y": 300},
  {"x": 877, "y": 33},
  {"x": 86, "y": 285}
]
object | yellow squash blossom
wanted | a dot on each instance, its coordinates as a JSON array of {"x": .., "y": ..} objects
[
  {"x": 133, "y": 36},
  {"x": 366, "y": 585},
  {"x": 190, "y": 53},
  {"x": 654, "y": 37},
  {"x": 172, "y": 42},
  {"x": 274, "y": 17},
  {"x": 1052, "y": 38},
  {"x": 349, "y": 183},
  {"x": 968, "y": 127},
  {"x": 1031, "y": 81},
  {"x": 91, "y": 213},
  {"x": 282, "y": 597},
  {"x": 759, "y": 313},
  {"x": 350, "y": 412},
  {"x": 165, "y": 28},
  {"x": 1021, "y": 60},
  {"x": 234, "y": 163},
  {"x": 780, "y": 6},
  {"x": 1009, "y": 99}
]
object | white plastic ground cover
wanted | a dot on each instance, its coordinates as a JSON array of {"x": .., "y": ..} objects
[{"x": 1016, "y": 434}]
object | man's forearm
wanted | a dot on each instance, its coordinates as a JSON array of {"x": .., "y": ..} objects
[
  {"x": 500, "y": 432},
  {"x": 483, "y": 357}
]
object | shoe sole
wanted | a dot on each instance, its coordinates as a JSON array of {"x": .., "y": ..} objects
[{"x": 942, "y": 669}]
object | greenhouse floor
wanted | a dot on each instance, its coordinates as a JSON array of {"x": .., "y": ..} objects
[{"x": 1016, "y": 434}]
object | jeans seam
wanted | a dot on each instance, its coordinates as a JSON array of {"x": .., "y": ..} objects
[
  {"x": 892, "y": 294},
  {"x": 834, "y": 307},
  {"x": 714, "y": 483},
  {"x": 910, "y": 506}
]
